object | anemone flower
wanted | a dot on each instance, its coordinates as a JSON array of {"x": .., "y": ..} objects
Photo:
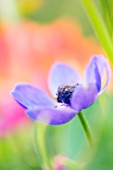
[{"x": 72, "y": 93}]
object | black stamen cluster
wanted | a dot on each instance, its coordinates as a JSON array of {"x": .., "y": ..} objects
[{"x": 64, "y": 93}]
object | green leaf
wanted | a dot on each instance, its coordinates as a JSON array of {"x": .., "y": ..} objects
[{"x": 99, "y": 27}]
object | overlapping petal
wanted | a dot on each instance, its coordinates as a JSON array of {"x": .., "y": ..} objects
[
  {"x": 92, "y": 75},
  {"x": 95, "y": 70},
  {"x": 52, "y": 115},
  {"x": 83, "y": 97},
  {"x": 29, "y": 96},
  {"x": 101, "y": 63},
  {"x": 108, "y": 76},
  {"x": 62, "y": 74}
]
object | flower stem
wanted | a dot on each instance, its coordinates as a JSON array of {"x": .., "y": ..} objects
[
  {"x": 39, "y": 139},
  {"x": 86, "y": 128}
]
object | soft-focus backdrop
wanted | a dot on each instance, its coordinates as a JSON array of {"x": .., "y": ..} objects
[{"x": 33, "y": 35}]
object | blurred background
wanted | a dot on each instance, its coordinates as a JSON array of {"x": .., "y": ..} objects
[{"x": 33, "y": 35}]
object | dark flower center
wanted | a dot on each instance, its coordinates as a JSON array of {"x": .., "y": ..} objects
[{"x": 64, "y": 93}]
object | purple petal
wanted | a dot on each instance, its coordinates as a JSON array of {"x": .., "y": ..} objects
[
  {"x": 108, "y": 76},
  {"x": 52, "y": 115},
  {"x": 83, "y": 97},
  {"x": 101, "y": 62},
  {"x": 62, "y": 74},
  {"x": 92, "y": 73},
  {"x": 29, "y": 96}
]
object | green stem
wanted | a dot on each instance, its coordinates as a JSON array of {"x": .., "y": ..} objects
[
  {"x": 39, "y": 139},
  {"x": 34, "y": 141},
  {"x": 86, "y": 127}
]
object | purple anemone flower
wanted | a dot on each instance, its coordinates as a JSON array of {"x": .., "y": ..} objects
[{"x": 72, "y": 93}]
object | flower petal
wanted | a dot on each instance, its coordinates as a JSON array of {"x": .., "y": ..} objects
[
  {"x": 92, "y": 73},
  {"x": 62, "y": 74},
  {"x": 101, "y": 62},
  {"x": 108, "y": 76},
  {"x": 52, "y": 115},
  {"x": 29, "y": 96},
  {"x": 83, "y": 97}
]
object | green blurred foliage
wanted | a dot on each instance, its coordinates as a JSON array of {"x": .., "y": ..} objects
[
  {"x": 103, "y": 156},
  {"x": 18, "y": 151}
]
